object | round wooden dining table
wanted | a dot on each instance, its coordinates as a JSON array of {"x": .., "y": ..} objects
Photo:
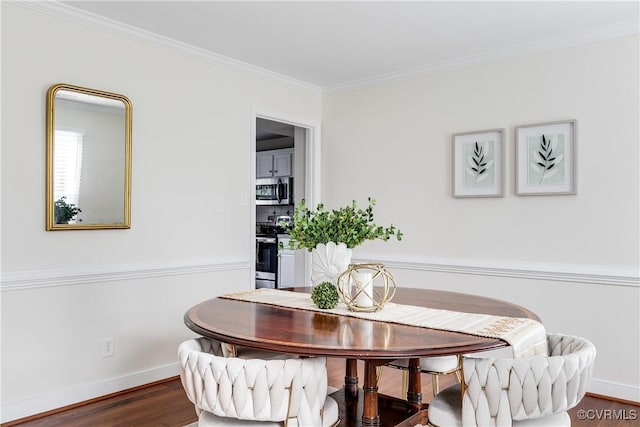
[{"x": 314, "y": 333}]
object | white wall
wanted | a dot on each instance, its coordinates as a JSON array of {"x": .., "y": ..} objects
[
  {"x": 63, "y": 291},
  {"x": 572, "y": 259},
  {"x": 190, "y": 238}
]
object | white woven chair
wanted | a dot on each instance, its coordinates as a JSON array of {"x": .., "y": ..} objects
[
  {"x": 230, "y": 391},
  {"x": 232, "y": 350},
  {"x": 435, "y": 366},
  {"x": 518, "y": 392}
]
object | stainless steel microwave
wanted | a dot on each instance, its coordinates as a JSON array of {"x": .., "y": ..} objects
[{"x": 274, "y": 191}]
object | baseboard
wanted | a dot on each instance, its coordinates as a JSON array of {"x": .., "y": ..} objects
[
  {"x": 36, "y": 405},
  {"x": 615, "y": 391}
]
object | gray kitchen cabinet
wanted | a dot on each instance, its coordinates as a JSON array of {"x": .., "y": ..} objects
[{"x": 274, "y": 163}]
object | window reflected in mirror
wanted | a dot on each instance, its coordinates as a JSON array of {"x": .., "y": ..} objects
[{"x": 88, "y": 159}]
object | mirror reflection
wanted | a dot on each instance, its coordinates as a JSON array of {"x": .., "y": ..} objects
[{"x": 88, "y": 159}]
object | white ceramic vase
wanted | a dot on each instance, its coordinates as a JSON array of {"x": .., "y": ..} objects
[{"x": 329, "y": 261}]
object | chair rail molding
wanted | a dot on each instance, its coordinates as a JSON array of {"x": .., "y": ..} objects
[
  {"x": 30, "y": 279},
  {"x": 600, "y": 275}
]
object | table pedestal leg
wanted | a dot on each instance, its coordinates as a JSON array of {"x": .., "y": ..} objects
[
  {"x": 414, "y": 389},
  {"x": 351, "y": 379},
  {"x": 370, "y": 416}
]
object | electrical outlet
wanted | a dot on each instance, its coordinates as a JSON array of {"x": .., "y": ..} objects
[{"x": 107, "y": 347}]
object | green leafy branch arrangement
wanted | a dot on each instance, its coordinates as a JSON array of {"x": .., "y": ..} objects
[{"x": 349, "y": 225}]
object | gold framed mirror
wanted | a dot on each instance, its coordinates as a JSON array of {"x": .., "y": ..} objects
[{"x": 88, "y": 159}]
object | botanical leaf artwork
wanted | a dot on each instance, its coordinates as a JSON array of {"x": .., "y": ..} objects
[
  {"x": 479, "y": 164},
  {"x": 546, "y": 160}
]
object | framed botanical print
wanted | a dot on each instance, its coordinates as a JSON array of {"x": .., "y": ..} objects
[
  {"x": 546, "y": 158},
  {"x": 478, "y": 163}
]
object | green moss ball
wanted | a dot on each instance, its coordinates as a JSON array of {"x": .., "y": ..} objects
[{"x": 325, "y": 295}]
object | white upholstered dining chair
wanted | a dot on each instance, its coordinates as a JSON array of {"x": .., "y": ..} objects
[
  {"x": 232, "y": 350},
  {"x": 434, "y": 366},
  {"x": 518, "y": 392},
  {"x": 232, "y": 391}
]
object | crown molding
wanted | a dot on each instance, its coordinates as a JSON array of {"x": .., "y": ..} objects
[
  {"x": 621, "y": 29},
  {"x": 72, "y": 14},
  {"x": 119, "y": 29}
]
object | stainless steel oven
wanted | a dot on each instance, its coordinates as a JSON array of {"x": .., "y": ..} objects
[
  {"x": 266, "y": 261},
  {"x": 274, "y": 191}
]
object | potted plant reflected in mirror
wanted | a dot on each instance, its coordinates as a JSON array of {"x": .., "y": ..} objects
[{"x": 65, "y": 212}]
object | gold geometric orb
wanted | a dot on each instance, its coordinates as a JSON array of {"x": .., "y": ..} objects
[{"x": 366, "y": 287}]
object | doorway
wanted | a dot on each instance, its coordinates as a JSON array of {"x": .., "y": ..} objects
[{"x": 284, "y": 148}]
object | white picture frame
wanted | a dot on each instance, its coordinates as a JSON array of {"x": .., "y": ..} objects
[
  {"x": 545, "y": 158},
  {"x": 478, "y": 163}
]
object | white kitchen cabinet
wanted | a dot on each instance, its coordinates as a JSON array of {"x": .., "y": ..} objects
[
  {"x": 286, "y": 265},
  {"x": 274, "y": 163}
]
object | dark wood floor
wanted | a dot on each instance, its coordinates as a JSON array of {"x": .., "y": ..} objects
[{"x": 165, "y": 404}]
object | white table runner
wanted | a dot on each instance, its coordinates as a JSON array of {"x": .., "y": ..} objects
[{"x": 526, "y": 336}]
